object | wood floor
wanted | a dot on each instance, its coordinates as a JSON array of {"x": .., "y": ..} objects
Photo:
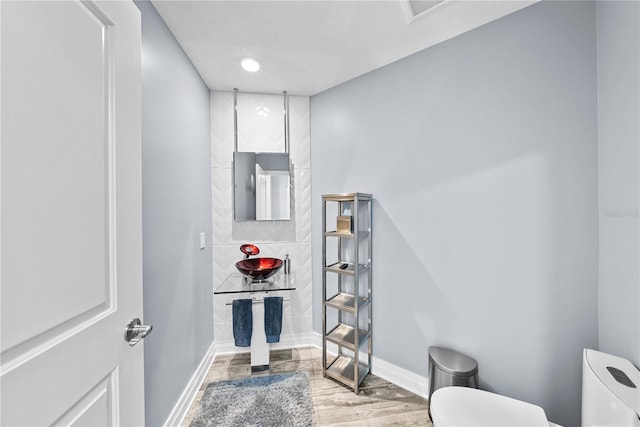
[{"x": 379, "y": 402}]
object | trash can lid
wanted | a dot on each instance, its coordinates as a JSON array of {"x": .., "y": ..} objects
[
  {"x": 618, "y": 375},
  {"x": 453, "y": 362}
]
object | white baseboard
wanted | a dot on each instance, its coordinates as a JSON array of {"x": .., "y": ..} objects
[
  {"x": 286, "y": 341},
  {"x": 191, "y": 390},
  {"x": 408, "y": 380},
  {"x": 394, "y": 374},
  {"x": 316, "y": 340}
]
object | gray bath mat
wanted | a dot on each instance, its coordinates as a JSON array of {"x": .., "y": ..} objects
[{"x": 263, "y": 401}]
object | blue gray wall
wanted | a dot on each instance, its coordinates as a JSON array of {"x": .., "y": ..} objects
[
  {"x": 619, "y": 158},
  {"x": 481, "y": 154},
  {"x": 176, "y": 207}
]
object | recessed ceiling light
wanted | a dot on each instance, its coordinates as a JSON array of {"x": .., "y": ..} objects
[{"x": 250, "y": 64}]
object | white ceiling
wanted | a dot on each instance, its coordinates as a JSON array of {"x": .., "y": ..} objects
[{"x": 308, "y": 46}]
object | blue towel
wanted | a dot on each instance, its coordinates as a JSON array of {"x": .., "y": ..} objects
[
  {"x": 242, "y": 321},
  {"x": 273, "y": 318}
]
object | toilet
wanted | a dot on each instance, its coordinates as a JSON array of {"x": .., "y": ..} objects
[
  {"x": 464, "y": 406},
  {"x": 610, "y": 396}
]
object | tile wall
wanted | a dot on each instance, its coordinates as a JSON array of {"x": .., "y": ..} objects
[{"x": 261, "y": 129}]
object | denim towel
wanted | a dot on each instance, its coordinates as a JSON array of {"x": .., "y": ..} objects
[
  {"x": 273, "y": 318},
  {"x": 242, "y": 321}
]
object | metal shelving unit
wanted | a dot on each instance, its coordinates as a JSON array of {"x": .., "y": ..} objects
[{"x": 346, "y": 288}]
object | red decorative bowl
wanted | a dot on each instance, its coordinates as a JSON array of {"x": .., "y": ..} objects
[{"x": 259, "y": 268}]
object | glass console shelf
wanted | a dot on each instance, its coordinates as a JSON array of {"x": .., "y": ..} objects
[{"x": 237, "y": 283}]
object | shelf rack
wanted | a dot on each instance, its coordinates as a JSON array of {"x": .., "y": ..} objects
[{"x": 346, "y": 313}]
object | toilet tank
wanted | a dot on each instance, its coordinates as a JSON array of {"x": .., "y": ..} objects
[{"x": 610, "y": 390}]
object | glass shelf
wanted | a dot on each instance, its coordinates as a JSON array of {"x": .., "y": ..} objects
[{"x": 236, "y": 283}]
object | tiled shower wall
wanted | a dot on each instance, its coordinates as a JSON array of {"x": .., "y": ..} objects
[{"x": 261, "y": 129}]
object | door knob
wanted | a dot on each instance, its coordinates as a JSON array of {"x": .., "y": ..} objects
[{"x": 135, "y": 331}]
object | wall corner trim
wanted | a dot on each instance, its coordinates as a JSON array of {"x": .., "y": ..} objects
[{"x": 187, "y": 397}]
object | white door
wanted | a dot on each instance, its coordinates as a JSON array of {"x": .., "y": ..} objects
[{"x": 71, "y": 273}]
